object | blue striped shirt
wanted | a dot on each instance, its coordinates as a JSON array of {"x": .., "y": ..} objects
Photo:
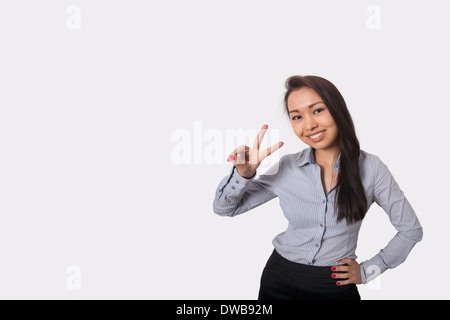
[{"x": 313, "y": 235}]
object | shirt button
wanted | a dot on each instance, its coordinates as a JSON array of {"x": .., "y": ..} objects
[
  {"x": 323, "y": 201},
  {"x": 316, "y": 245},
  {"x": 232, "y": 187},
  {"x": 321, "y": 225},
  {"x": 237, "y": 181}
]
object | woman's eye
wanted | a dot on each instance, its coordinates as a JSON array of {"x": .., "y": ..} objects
[{"x": 315, "y": 111}]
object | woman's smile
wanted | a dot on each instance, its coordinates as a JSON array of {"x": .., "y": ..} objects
[{"x": 318, "y": 136}]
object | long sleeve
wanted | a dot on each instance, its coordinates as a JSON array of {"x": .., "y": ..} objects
[
  {"x": 236, "y": 195},
  {"x": 387, "y": 194}
]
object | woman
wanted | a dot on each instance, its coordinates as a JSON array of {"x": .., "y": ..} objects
[{"x": 324, "y": 192}]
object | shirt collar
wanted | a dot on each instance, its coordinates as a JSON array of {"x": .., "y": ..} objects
[{"x": 307, "y": 156}]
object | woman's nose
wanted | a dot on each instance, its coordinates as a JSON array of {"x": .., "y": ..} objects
[{"x": 310, "y": 124}]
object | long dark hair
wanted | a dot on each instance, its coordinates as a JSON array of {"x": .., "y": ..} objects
[{"x": 350, "y": 197}]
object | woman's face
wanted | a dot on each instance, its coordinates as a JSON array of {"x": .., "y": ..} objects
[{"x": 309, "y": 116}]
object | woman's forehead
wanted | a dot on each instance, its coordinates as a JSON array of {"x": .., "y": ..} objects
[{"x": 303, "y": 99}]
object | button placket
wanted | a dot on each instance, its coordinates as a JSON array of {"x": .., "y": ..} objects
[{"x": 320, "y": 232}]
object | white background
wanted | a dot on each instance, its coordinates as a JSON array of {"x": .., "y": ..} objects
[{"x": 87, "y": 173}]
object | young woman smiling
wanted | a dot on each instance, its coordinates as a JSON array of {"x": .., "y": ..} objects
[{"x": 324, "y": 192}]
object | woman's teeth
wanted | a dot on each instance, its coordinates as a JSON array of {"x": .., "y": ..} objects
[{"x": 316, "y": 135}]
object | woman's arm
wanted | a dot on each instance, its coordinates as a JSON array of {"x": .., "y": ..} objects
[
  {"x": 387, "y": 194},
  {"x": 236, "y": 195}
]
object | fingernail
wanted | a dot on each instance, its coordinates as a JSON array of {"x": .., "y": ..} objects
[
  {"x": 338, "y": 283},
  {"x": 334, "y": 268},
  {"x": 333, "y": 275},
  {"x": 230, "y": 158},
  {"x": 339, "y": 260}
]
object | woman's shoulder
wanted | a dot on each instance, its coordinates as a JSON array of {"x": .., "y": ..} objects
[
  {"x": 296, "y": 158},
  {"x": 369, "y": 160},
  {"x": 367, "y": 156}
]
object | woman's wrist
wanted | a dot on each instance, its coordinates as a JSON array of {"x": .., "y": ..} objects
[{"x": 246, "y": 175}]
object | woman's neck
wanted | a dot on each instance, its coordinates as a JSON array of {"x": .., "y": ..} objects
[{"x": 326, "y": 157}]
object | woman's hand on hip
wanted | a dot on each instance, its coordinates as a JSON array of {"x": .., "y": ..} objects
[{"x": 351, "y": 272}]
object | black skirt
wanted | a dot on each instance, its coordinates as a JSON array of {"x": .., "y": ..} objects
[{"x": 283, "y": 279}]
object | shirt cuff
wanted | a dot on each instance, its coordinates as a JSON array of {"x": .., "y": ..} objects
[
  {"x": 237, "y": 179},
  {"x": 237, "y": 172},
  {"x": 371, "y": 269}
]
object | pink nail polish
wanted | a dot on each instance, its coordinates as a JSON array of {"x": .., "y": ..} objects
[
  {"x": 338, "y": 283},
  {"x": 334, "y": 268},
  {"x": 333, "y": 275}
]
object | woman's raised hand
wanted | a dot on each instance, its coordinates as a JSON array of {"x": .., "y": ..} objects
[{"x": 247, "y": 160}]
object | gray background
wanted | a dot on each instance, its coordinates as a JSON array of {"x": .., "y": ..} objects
[{"x": 87, "y": 117}]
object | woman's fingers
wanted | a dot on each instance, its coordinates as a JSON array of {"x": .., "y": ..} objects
[
  {"x": 231, "y": 157},
  {"x": 340, "y": 268},
  {"x": 344, "y": 282},
  {"x": 260, "y": 136},
  {"x": 244, "y": 154},
  {"x": 350, "y": 272},
  {"x": 347, "y": 261},
  {"x": 239, "y": 155},
  {"x": 271, "y": 150},
  {"x": 340, "y": 275}
]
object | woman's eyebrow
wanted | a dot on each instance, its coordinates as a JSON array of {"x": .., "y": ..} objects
[{"x": 310, "y": 106}]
